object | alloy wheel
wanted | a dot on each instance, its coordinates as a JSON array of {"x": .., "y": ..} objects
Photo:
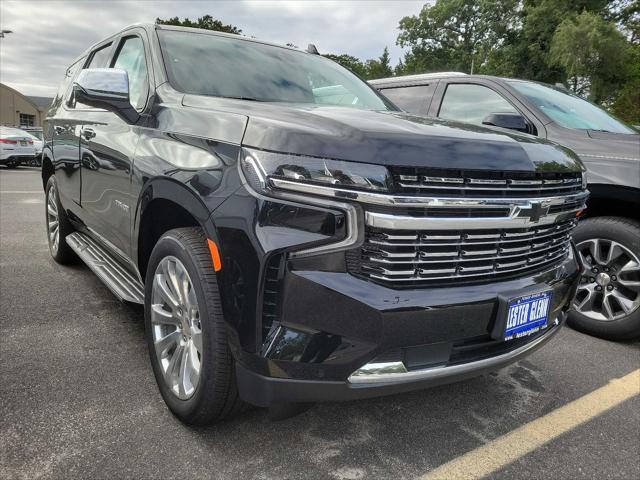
[
  {"x": 53, "y": 219},
  {"x": 610, "y": 285},
  {"x": 176, "y": 327}
]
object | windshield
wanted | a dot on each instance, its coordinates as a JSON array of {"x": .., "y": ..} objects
[
  {"x": 228, "y": 67},
  {"x": 569, "y": 110}
]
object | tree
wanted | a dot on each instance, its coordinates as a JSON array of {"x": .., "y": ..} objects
[
  {"x": 369, "y": 69},
  {"x": 207, "y": 22},
  {"x": 626, "y": 13},
  {"x": 593, "y": 53},
  {"x": 380, "y": 68},
  {"x": 455, "y": 34}
]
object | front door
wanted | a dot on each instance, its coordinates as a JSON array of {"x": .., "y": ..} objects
[{"x": 107, "y": 150}]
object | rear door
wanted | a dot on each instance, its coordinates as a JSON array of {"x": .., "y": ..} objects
[
  {"x": 107, "y": 148},
  {"x": 411, "y": 98},
  {"x": 64, "y": 132}
]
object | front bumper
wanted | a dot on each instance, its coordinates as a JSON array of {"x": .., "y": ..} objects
[
  {"x": 266, "y": 391},
  {"x": 333, "y": 325}
]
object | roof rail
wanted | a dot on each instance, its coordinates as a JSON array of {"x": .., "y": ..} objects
[{"x": 418, "y": 77}]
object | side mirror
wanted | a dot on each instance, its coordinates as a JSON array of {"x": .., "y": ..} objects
[
  {"x": 512, "y": 121},
  {"x": 106, "y": 88}
]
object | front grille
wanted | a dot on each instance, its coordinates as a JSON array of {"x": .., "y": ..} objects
[
  {"x": 458, "y": 183},
  {"x": 412, "y": 258}
]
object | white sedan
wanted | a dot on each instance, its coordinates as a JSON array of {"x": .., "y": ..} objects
[{"x": 16, "y": 147}]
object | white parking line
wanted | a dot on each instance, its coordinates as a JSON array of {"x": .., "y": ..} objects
[{"x": 510, "y": 447}]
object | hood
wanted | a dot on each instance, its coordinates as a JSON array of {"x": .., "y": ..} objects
[
  {"x": 610, "y": 158},
  {"x": 388, "y": 138}
]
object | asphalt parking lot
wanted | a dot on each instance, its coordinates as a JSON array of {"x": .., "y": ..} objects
[{"x": 78, "y": 399}]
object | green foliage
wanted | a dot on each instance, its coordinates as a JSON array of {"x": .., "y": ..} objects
[
  {"x": 593, "y": 54},
  {"x": 454, "y": 34},
  {"x": 207, "y": 22},
  {"x": 626, "y": 104},
  {"x": 590, "y": 44},
  {"x": 349, "y": 62},
  {"x": 370, "y": 69}
]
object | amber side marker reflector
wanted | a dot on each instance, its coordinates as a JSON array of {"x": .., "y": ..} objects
[
  {"x": 579, "y": 213},
  {"x": 215, "y": 255}
]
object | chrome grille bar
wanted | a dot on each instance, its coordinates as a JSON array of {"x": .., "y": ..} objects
[
  {"x": 404, "y": 257},
  {"x": 474, "y": 186}
]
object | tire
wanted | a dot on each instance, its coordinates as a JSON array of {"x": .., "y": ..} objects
[
  {"x": 57, "y": 225},
  {"x": 615, "y": 275},
  {"x": 214, "y": 396}
]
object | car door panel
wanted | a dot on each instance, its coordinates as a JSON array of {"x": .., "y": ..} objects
[{"x": 107, "y": 147}]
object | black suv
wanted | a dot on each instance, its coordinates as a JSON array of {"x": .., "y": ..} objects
[
  {"x": 292, "y": 235},
  {"x": 607, "y": 303}
]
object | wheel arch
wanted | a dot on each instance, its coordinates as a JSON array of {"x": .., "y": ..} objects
[
  {"x": 166, "y": 204},
  {"x": 613, "y": 200},
  {"x": 47, "y": 168}
]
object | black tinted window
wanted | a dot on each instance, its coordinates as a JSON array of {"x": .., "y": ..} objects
[
  {"x": 470, "y": 103},
  {"x": 100, "y": 57},
  {"x": 131, "y": 59},
  {"x": 410, "y": 99},
  {"x": 232, "y": 67}
]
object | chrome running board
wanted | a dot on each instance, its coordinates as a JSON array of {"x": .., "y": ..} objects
[{"x": 121, "y": 282}]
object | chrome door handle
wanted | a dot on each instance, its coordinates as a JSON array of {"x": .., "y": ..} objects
[
  {"x": 88, "y": 133},
  {"x": 62, "y": 129}
]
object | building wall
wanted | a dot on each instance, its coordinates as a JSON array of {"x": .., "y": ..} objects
[{"x": 12, "y": 104}]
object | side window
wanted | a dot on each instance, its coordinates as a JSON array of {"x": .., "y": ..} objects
[
  {"x": 130, "y": 57},
  {"x": 410, "y": 99},
  {"x": 472, "y": 103},
  {"x": 65, "y": 85},
  {"x": 99, "y": 57}
]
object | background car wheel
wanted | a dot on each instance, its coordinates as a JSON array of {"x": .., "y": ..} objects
[
  {"x": 607, "y": 302},
  {"x": 57, "y": 224},
  {"x": 185, "y": 330}
]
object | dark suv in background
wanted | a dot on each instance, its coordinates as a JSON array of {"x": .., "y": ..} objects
[
  {"x": 607, "y": 303},
  {"x": 292, "y": 235}
]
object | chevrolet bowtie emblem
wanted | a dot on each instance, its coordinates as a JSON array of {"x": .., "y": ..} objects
[{"x": 537, "y": 210}]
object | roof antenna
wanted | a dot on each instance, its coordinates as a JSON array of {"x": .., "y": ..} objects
[{"x": 312, "y": 49}]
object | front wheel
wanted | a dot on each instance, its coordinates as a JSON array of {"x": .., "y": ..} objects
[
  {"x": 607, "y": 302},
  {"x": 185, "y": 330}
]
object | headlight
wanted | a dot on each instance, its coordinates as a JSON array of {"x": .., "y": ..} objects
[
  {"x": 268, "y": 170},
  {"x": 584, "y": 179}
]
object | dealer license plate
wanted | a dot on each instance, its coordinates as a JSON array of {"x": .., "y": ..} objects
[{"x": 527, "y": 315}]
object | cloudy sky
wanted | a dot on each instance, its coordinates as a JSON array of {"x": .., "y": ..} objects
[{"x": 48, "y": 34}]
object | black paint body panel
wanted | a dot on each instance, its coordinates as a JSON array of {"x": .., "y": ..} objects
[{"x": 185, "y": 149}]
